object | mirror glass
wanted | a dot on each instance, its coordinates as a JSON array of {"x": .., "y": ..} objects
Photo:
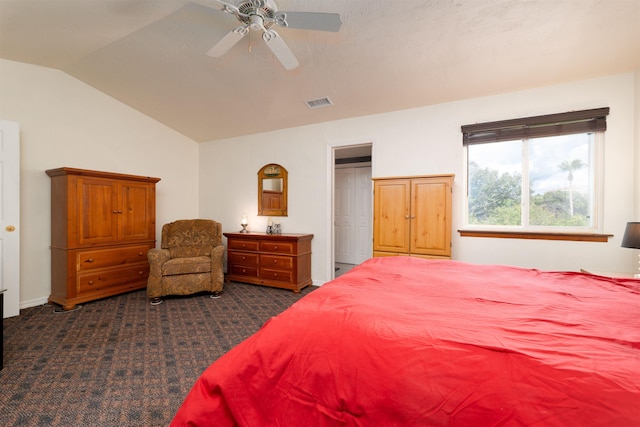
[{"x": 272, "y": 190}]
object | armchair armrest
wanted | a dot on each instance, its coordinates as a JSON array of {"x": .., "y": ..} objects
[
  {"x": 156, "y": 258},
  {"x": 217, "y": 268}
]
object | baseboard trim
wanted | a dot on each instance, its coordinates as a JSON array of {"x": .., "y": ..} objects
[{"x": 33, "y": 303}]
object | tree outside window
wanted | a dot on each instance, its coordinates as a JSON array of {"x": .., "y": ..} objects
[{"x": 545, "y": 182}]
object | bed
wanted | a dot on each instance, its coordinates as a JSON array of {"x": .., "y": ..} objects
[{"x": 402, "y": 341}]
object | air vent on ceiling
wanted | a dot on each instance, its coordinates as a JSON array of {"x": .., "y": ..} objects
[{"x": 318, "y": 102}]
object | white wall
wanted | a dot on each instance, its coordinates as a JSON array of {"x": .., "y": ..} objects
[
  {"x": 65, "y": 122},
  {"x": 428, "y": 141}
]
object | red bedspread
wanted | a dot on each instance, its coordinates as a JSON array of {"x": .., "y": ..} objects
[{"x": 402, "y": 341}]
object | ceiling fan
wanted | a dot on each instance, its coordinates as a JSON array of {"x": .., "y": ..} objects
[{"x": 261, "y": 15}]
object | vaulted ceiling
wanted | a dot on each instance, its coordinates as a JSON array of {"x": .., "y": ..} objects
[{"x": 388, "y": 55}]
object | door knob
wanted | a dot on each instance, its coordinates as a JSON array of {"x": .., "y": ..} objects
[{"x": 10, "y": 228}]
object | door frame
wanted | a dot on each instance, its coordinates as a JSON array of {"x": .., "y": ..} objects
[
  {"x": 11, "y": 239},
  {"x": 331, "y": 166}
]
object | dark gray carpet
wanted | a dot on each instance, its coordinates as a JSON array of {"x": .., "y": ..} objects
[{"x": 120, "y": 361}]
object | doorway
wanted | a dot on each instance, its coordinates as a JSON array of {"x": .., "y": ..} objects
[{"x": 353, "y": 209}]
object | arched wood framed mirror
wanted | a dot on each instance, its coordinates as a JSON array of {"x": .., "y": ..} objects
[{"x": 272, "y": 190}]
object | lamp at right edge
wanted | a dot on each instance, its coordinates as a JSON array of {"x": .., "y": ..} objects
[{"x": 631, "y": 239}]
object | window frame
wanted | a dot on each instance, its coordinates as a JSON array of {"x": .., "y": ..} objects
[{"x": 585, "y": 121}]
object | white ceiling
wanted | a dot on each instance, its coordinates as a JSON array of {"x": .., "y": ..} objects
[{"x": 389, "y": 55}]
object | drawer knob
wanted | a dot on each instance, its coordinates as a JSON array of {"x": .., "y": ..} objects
[
  {"x": 275, "y": 247},
  {"x": 90, "y": 260},
  {"x": 141, "y": 272},
  {"x": 244, "y": 271},
  {"x": 244, "y": 257},
  {"x": 91, "y": 282},
  {"x": 140, "y": 253},
  {"x": 275, "y": 261}
]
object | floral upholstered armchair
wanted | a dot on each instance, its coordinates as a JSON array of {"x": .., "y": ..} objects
[{"x": 190, "y": 260}]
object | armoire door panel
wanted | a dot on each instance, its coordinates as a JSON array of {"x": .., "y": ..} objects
[
  {"x": 429, "y": 217},
  {"x": 391, "y": 216},
  {"x": 136, "y": 211},
  {"x": 96, "y": 211}
]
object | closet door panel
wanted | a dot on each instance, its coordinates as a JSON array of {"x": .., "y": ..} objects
[
  {"x": 430, "y": 217},
  {"x": 391, "y": 215}
]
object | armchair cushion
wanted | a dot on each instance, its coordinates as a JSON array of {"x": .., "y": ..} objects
[{"x": 198, "y": 264}]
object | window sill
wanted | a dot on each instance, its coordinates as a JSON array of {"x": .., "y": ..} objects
[{"x": 580, "y": 237}]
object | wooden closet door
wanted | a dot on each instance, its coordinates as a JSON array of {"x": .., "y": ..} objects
[
  {"x": 391, "y": 223},
  {"x": 431, "y": 216}
]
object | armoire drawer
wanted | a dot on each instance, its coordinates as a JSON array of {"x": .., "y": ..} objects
[
  {"x": 102, "y": 258},
  {"x": 112, "y": 278}
]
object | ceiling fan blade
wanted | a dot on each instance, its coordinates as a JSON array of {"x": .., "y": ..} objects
[
  {"x": 227, "y": 42},
  {"x": 280, "y": 49},
  {"x": 309, "y": 20}
]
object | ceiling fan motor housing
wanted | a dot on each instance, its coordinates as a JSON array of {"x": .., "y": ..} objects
[{"x": 253, "y": 13}]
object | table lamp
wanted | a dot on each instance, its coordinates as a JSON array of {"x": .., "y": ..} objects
[
  {"x": 631, "y": 239},
  {"x": 244, "y": 222}
]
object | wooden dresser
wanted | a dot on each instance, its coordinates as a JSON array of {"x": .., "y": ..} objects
[
  {"x": 277, "y": 260},
  {"x": 102, "y": 225}
]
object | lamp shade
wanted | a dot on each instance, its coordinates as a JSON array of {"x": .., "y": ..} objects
[{"x": 631, "y": 237}]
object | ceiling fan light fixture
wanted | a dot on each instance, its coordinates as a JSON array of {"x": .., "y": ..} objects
[
  {"x": 318, "y": 103},
  {"x": 257, "y": 23}
]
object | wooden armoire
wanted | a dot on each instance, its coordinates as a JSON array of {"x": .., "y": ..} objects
[
  {"x": 102, "y": 225},
  {"x": 412, "y": 216}
]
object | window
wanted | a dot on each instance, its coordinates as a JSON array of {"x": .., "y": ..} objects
[{"x": 537, "y": 174}]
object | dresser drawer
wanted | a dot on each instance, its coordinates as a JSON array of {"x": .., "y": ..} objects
[
  {"x": 278, "y": 247},
  {"x": 101, "y": 258},
  {"x": 243, "y": 270},
  {"x": 100, "y": 281},
  {"x": 242, "y": 245},
  {"x": 243, "y": 258},
  {"x": 285, "y": 276},
  {"x": 276, "y": 261}
]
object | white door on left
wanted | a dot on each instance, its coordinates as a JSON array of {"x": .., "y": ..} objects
[{"x": 10, "y": 216}]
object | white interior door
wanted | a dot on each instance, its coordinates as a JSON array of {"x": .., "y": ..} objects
[
  {"x": 10, "y": 216},
  {"x": 344, "y": 215},
  {"x": 363, "y": 242},
  {"x": 353, "y": 215}
]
